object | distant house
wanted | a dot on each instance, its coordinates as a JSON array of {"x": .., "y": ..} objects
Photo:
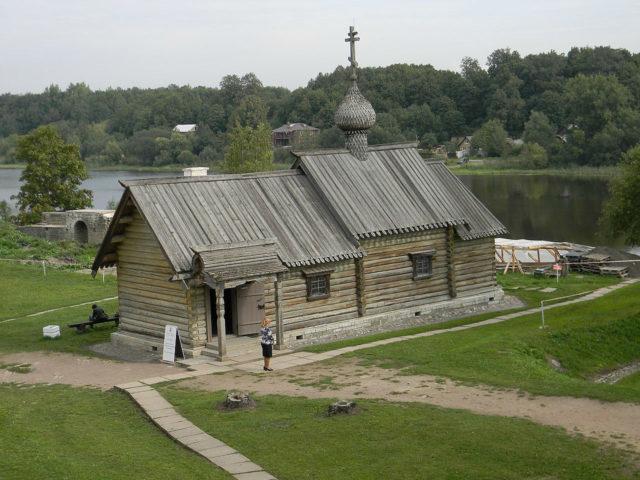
[
  {"x": 462, "y": 145},
  {"x": 186, "y": 128},
  {"x": 290, "y": 134},
  {"x": 515, "y": 142}
]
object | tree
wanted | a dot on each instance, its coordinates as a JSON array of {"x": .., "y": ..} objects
[
  {"x": 249, "y": 150},
  {"x": 8, "y": 148},
  {"x": 251, "y": 111},
  {"x": 170, "y": 149},
  {"x": 491, "y": 137},
  {"x": 593, "y": 101},
  {"x": 428, "y": 140},
  {"x": 538, "y": 129},
  {"x": 621, "y": 214},
  {"x": 533, "y": 155},
  {"x": 142, "y": 147},
  {"x": 113, "y": 153},
  {"x": 5, "y": 211},
  {"x": 52, "y": 176}
]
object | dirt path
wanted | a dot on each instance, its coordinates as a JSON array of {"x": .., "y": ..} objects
[
  {"x": 75, "y": 370},
  {"x": 617, "y": 423}
]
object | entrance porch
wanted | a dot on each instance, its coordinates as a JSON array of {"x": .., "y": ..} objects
[{"x": 235, "y": 278}]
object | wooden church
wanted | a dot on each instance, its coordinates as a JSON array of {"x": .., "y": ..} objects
[{"x": 347, "y": 242}]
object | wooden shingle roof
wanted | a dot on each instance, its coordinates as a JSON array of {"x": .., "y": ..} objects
[
  {"x": 316, "y": 213},
  {"x": 185, "y": 212},
  {"x": 396, "y": 191}
]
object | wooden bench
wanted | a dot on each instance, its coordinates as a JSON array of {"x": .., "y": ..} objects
[{"x": 82, "y": 326}]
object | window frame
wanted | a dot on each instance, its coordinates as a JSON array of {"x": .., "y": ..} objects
[
  {"x": 310, "y": 277},
  {"x": 416, "y": 257}
]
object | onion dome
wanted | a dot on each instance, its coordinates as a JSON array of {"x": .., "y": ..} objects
[{"x": 354, "y": 112}]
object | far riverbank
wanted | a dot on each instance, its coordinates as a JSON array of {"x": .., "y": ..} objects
[{"x": 571, "y": 172}]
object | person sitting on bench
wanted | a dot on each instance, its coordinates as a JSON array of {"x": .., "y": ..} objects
[{"x": 97, "y": 313}]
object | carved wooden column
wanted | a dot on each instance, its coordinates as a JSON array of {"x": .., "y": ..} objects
[
  {"x": 279, "y": 319},
  {"x": 360, "y": 289},
  {"x": 222, "y": 333},
  {"x": 451, "y": 267}
]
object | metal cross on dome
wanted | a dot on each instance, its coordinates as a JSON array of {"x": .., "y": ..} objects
[{"x": 352, "y": 39}]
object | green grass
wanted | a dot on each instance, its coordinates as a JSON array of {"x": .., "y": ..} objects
[
  {"x": 499, "y": 166},
  {"x": 586, "y": 338},
  {"x": 26, "y": 290},
  {"x": 632, "y": 381},
  {"x": 293, "y": 439},
  {"x": 57, "y": 432},
  {"x": 17, "y": 245},
  {"x": 16, "y": 367},
  {"x": 514, "y": 284},
  {"x": 25, "y": 334}
]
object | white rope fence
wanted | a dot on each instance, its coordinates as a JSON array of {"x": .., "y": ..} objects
[
  {"x": 44, "y": 263},
  {"x": 559, "y": 298}
]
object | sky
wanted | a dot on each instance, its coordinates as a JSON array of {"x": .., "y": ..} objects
[{"x": 143, "y": 43}]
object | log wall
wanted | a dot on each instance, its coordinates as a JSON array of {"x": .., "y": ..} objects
[
  {"x": 148, "y": 300},
  {"x": 388, "y": 271},
  {"x": 298, "y": 312},
  {"x": 475, "y": 269}
]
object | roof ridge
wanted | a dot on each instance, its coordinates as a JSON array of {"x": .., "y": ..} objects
[
  {"x": 371, "y": 148},
  {"x": 208, "y": 178}
]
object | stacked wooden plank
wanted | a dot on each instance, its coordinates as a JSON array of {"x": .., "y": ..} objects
[
  {"x": 592, "y": 262},
  {"x": 596, "y": 263},
  {"x": 617, "y": 270}
]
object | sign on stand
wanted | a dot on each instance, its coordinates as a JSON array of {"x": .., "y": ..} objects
[
  {"x": 172, "y": 347},
  {"x": 557, "y": 268}
]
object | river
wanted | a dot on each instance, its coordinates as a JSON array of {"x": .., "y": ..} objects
[{"x": 531, "y": 206}]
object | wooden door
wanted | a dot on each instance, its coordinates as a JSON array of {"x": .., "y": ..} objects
[{"x": 250, "y": 301}]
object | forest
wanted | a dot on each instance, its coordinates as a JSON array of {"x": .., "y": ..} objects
[{"x": 576, "y": 108}]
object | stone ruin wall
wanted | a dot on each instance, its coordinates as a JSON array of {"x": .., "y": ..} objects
[{"x": 81, "y": 226}]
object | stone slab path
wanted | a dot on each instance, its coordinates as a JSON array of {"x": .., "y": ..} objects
[{"x": 190, "y": 436}]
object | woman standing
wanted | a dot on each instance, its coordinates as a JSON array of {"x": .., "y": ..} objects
[{"x": 267, "y": 341}]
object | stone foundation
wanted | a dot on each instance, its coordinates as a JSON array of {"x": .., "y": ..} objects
[
  {"x": 149, "y": 343},
  {"x": 397, "y": 319}
]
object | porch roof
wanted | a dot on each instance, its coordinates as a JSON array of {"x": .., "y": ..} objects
[{"x": 245, "y": 260}]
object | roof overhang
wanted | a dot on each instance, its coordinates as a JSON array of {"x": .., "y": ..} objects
[{"x": 244, "y": 261}]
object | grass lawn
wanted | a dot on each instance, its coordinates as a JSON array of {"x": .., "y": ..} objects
[
  {"x": 513, "y": 284},
  {"x": 58, "y": 432},
  {"x": 293, "y": 439},
  {"x": 24, "y": 289},
  {"x": 517, "y": 284},
  {"x": 497, "y": 166},
  {"x": 25, "y": 334},
  {"x": 586, "y": 338},
  {"x": 632, "y": 381}
]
